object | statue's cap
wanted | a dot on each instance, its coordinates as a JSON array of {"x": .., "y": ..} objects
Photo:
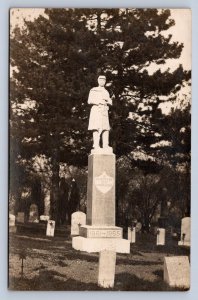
[{"x": 102, "y": 77}]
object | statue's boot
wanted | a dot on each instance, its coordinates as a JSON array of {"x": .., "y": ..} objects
[
  {"x": 96, "y": 139},
  {"x": 105, "y": 139}
]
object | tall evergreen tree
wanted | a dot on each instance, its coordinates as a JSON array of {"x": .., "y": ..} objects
[{"x": 58, "y": 57}]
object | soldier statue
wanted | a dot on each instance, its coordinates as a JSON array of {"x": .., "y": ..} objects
[{"x": 99, "y": 119}]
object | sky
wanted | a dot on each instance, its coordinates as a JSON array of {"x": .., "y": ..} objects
[{"x": 182, "y": 32}]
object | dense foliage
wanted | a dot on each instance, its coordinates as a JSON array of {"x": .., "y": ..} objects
[{"x": 56, "y": 60}]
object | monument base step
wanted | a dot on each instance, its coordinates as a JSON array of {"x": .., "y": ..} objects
[
  {"x": 185, "y": 244},
  {"x": 98, "y": 244}
]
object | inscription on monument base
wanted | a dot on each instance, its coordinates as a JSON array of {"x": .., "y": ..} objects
[
  {"x": 104, "y": 233},
  {"x": 90, "y": 232}
]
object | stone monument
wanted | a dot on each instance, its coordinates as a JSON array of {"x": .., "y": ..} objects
[
  {"x": 185, "y": 232},
  {"x": 100, "y": 232}
]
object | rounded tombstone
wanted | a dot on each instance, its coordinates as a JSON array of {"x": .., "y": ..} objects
[
  {"x": 12, "y": 219},
  {"x": 138, "y": 227},
  {"x": 33, "y": 214}
]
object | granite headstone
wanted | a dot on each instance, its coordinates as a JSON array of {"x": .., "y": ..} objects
[{"x": 177, "y": 271}]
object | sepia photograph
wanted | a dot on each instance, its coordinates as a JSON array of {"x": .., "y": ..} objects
[{"x": 99, "y": 149}]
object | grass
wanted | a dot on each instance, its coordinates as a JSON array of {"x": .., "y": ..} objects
[{"x": 52, "y": 264}]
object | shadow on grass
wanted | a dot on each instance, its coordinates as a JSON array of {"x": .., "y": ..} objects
[
  {"x": 120, "y": 261},
  {"x": 127, "y": 282},
  {"x": 51, "y": 281},
  {"x": 146, "y": 242},
  {"x": 63, "y": 251},
  {"x": 54, "y": 281}
]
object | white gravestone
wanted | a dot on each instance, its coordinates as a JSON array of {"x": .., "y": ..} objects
[
  {"x": 138, "y": 227},
  {"x": 50, "y": 228},
  {"x": 77, "y": 219},
  {"x": 185, "y": 232},
  {"x": 33, "y": 215},
  {"x": 177, "y": 271},
  {"x": 44, "y": 218},
  {"x": 106, "y": 273},
  {"x": 161, "y": 236},
  {"x": 20, "y": 218},
  {"x": 131, "y": 234},
  {"x": 11, "y": 220}
]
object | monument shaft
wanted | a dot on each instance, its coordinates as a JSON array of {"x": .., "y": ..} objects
[{"x": 101, "y": 190}]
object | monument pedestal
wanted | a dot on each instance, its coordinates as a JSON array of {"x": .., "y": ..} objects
[
  {"x": 100, "y": 233},
  {"x": 99, "y": 244}
]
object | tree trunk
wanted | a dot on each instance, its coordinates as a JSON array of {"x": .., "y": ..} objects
[
  {"x": 98, "y": 22},
  {"x": 146, "y": 223},
  {"x": 54, "y": 194}
]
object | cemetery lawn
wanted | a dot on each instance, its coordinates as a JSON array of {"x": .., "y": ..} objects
[{"x": 52, "y": 264}]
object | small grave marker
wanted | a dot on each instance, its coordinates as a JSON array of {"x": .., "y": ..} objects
[
  {"x": 50, "y": 228},
  {"x": 161, "y": 236},
  {"x": 11, "y": 220},
  {"x": 185, "y": 232},
  {"x": 132, "y": 234},
  {"x": 44, "y": 218}
]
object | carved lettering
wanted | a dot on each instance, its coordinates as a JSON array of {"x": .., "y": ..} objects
[
  {"x": 104, "y": 233},
  {"x": 104, "y": 183}
]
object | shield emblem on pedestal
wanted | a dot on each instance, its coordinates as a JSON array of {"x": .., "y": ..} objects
[{"x": 104, "y": 183}]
